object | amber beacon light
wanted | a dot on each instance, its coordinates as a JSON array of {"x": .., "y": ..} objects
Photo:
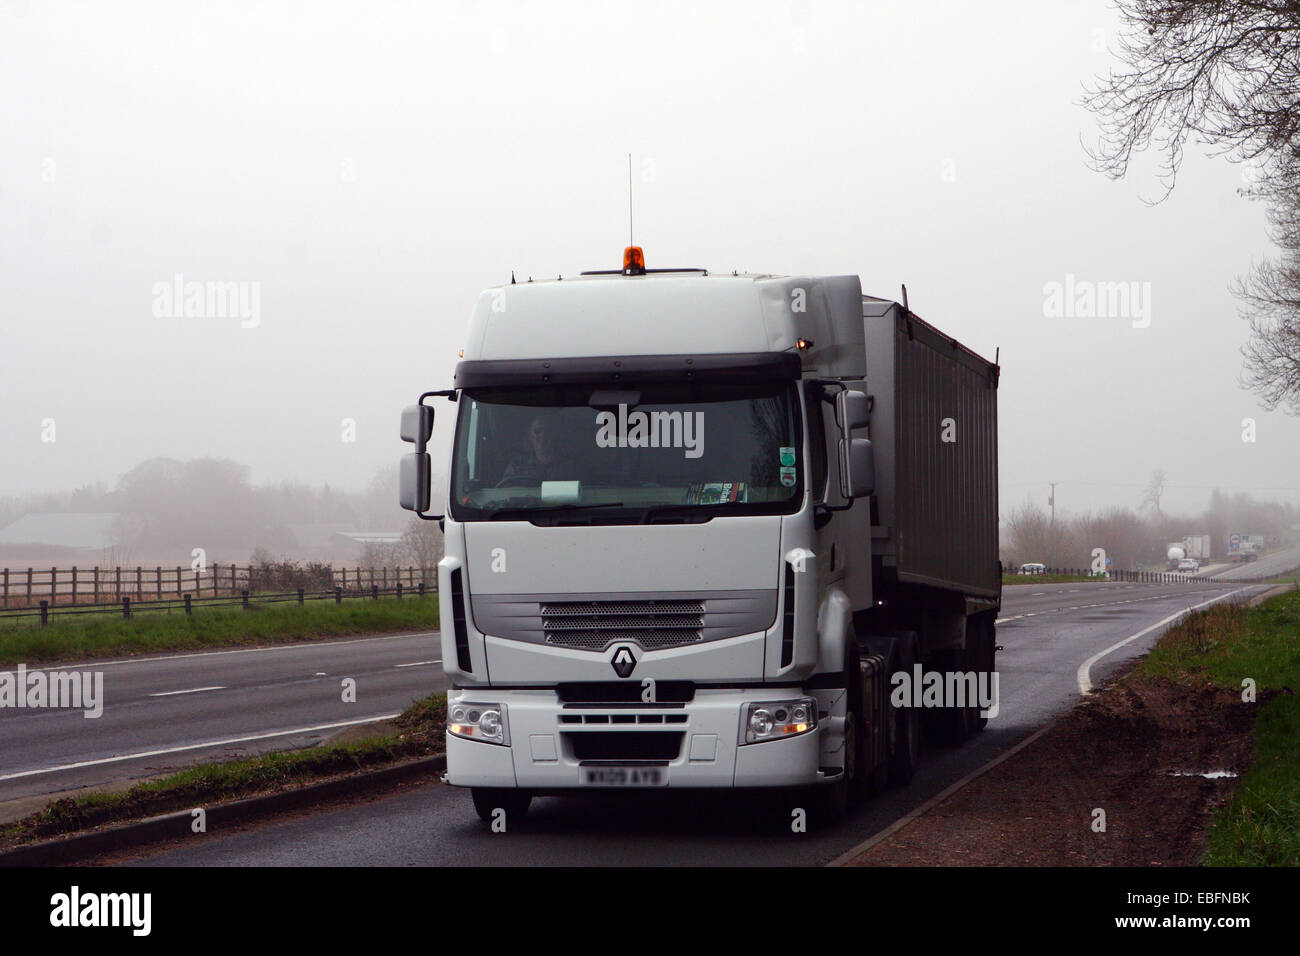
[{"x": 633, "y": 261}]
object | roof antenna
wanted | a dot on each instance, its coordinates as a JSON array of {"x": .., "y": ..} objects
[
  {"x": 629, "y": 200},
  {"x": 512, "y": 276},
  {"x": 906, "y": 310}
]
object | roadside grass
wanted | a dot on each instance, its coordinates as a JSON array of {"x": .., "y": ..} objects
[
  {"x": 90, "y": 636},
  {"x": 1224, "y": 645},
  {"x": 420, "y": 727},
  {"x": 1051, "y": 578}
]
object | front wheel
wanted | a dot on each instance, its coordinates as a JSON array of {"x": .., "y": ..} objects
[{"x": 488, "y": 800}]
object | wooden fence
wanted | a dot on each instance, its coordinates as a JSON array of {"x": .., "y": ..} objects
[{"x": 27, "y": 587}]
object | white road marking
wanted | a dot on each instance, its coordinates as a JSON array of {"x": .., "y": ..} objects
[
  {"x": 1085, "y": 678},
  {"x": 210, "y": 743},
  {"x": 192, "y": 690},
  {"x": 417, "y": 664},
  {"x": 240, "y": 650}
]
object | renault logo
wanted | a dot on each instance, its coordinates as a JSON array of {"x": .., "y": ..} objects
[{"x": 623, "y": 661}]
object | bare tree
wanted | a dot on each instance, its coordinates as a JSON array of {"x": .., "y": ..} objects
[
  {"x": 1225, "y": 74},
  {"x": 1270, "y": 294},
  {"x": 1152, "y": 493},
  {"x": 423, "y": 542}
]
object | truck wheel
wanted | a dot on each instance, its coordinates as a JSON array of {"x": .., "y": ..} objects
[
  {"x": 487, "y": 800},
  {"x": 858, "y": 776},
  {"x": 987, "y": 652},
  {"x": 950, "y": 725},
  {"x": 905, "y": 752}
]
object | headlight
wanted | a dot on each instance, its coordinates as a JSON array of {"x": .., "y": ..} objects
[
  {"x": 485, "y": 722},
  {"x": 778, "y": 719}
]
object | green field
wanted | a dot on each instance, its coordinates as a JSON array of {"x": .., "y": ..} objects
[
  {"x": 1224, "y": 645},
  {"x": 103, "y": 635}
]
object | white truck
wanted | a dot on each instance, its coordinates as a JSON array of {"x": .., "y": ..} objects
[
  {"x": 1197, "y": 546},
  {"x": 709, "y": 531}
]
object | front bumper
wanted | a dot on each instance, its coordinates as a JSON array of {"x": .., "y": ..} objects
[{"x": 550, "y": 741}]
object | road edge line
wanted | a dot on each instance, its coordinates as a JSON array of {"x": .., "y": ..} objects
[{"x": 1083, "y": 676}]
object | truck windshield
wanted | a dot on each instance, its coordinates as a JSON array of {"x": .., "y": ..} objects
[{"x": 642, "y": 453}]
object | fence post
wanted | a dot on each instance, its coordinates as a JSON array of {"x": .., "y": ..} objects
[
  {"x": 245, "y": 594},
  {"x": 97, "y": 584},
  {"x": 139, "y": 583},
  {"x": 178, "y": 579},
  {"x": 74, "y": 584},
  {"x": 300, "y": 597},
  {"x": 399, "y": 590},
  {"x": 421, "y": 589},
  {"x": 45, "y": 612},
  {"x": 6, "y": 575},
  {"x": 338, "y": 591},
  {"x": 29, "y": 587},
  {"x": 54, "y": 583},
  {"x": 157, "y": 581},
  {"x": 374, "y": 591},
  {"x": 189, "y": 608},
  {"x": 126, "y": 607}
]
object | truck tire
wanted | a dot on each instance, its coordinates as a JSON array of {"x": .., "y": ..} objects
[
  {"x": 860, "y": 778},
  {"x": 950, "y": 726},
  {"x": 988, "y": 641},
  {"x": 487, "y": 800},
  {"x": 905, "y": 749}
]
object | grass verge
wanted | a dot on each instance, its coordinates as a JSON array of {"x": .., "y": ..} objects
[
  {"x": 1226, "y": 645},
  {"x": 110, "y": 635},
  {"x": 419, "y": 733}
]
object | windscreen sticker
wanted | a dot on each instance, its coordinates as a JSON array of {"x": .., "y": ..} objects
[
  {"x": 788, "y": 478},
  {"x": 787, "y": 456},
  {"x": 717, "y": 492}
]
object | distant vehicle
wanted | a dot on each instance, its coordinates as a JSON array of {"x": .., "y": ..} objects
[
  {"x": 1174, "y": 555},
  {"x": 1197, "y": 546},
  {"x": 1244, "y": 547},
  {"x": 1189, "y": 565},
  {"x": 1033, "y": 568}
]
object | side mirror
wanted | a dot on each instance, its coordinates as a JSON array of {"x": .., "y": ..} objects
[
  {"x": 414, "y": 480},
  {"x": 417, "y": 425},
  {"x": 857, "y": 467},
  {"x": 852, "y": 410}
]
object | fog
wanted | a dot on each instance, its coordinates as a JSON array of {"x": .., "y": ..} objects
[{"x": 361, "y": 171}]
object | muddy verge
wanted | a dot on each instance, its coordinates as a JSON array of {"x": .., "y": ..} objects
[{"x": 1139, "y": 751}]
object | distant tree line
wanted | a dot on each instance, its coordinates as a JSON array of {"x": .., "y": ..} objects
[{"x": 1136, "y": 539}]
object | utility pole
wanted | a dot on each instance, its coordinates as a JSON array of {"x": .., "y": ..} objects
[{"x": 1051, "y": 500}]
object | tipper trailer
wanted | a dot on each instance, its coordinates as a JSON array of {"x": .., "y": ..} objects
[{"x": 709, "y": 531}]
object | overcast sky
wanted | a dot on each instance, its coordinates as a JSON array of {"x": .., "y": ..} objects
[{"x": 367, "y": 168}]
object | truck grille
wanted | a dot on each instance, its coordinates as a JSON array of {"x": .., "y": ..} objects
[{"x": 594, "y": 625}]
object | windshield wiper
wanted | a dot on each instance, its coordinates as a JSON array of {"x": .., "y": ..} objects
[
  {"x": 514, "y": 514},
  {"x": 688, "y": 514}
]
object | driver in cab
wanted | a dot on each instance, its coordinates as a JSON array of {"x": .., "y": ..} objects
[{"x": 536, "y": 460}]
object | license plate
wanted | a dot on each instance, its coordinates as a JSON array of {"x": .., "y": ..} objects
[{"x": 625, "y": 776}]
